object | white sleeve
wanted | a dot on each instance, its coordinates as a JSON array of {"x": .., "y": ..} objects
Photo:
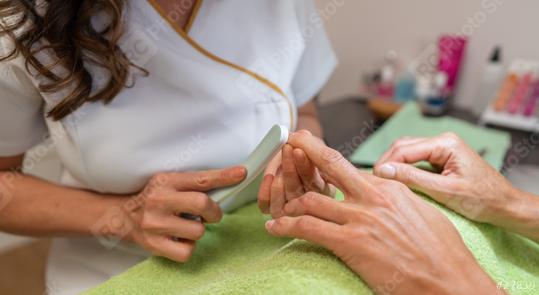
[
  {"x": 21, "y": 108},
  {"x": 318, "y": 61}
]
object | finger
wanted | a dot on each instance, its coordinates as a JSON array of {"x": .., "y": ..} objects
[
  {"x": 304, "y": 131},
  {"x": 319, "y": 206},
  {"x": 274, "y": 164},
  {"x": 292, "y": 182},
  {"x": 311, "y": 179},
  {"x": 195, "y": 203},
  {"x": 308, "y": 228},
  {"x": 179, "y": 251},
  {"x": 175, "y": 227},
  {"x": 204, "y": 181},
  {"x": 331, "y": 163},
  {"x": 434, "y": 185},
  {"x": 436, "y": 150},
  {"x": 277, "y": 200},
  {"x": 399, "y": 142},
  {"x": 264, "y": 194}
]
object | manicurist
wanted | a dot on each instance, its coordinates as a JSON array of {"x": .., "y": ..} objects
[{"x": 149, "y": 104}]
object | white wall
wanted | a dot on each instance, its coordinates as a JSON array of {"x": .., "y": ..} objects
[{"x": 363, "y": 30}]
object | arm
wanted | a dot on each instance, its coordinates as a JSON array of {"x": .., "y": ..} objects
[
  {"x": 520, "y": 215},
  {"x": 467, "y": 184},
  {"x": 308, "y": 119},
  {"x": 30, "y": 206}
]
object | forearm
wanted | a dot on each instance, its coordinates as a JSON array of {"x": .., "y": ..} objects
[
  {"x": 308, "y": 119},
  {"x": 31, "y": 206},
  {"x": 521, "y": 214}
]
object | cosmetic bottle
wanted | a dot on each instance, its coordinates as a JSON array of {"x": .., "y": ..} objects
[
  {"x": 493, "y": 75},
  {"x": 423, "y": 89},
  {"x": 452, "y": 50},
  {"x": 516, "y": 105},
  {"x": 531, "y": 105},
  {"x": 437, "y": 100},
  {"x": 507, "y": 88},
  {"x": 406, "y": 85},
  {"x": 386, "y": 87}
]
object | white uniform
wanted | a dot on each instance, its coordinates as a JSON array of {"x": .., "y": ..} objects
[{"x": 212, "y": 94}]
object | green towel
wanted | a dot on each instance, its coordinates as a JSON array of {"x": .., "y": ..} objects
[
  {"x": 409, "y": 121},
  {"x": 237, "y": 256}
]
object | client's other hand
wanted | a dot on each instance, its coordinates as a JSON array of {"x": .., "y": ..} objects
[
  {"x": 395, "y": 241},
  {"x": 467, "y": 184}
]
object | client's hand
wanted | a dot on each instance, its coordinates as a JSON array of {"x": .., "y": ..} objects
[
  {"x": 395, "y": 241},
  {"x": 289, "y": 175},
  {"x": 155, "y": 214},
  {"x": 467, "y": 184}
]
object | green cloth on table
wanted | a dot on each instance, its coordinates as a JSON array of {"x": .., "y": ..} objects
[
  {"x": 237, "y": 256},
  {"x": 410, "y": 122}
]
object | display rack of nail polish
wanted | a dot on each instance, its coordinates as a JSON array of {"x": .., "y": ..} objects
[{"x": 516, "y": 104}]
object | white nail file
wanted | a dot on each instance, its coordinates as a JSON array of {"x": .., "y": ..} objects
[{"x": 268, "y": 148}]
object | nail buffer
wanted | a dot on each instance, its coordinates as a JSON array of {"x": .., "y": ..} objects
[{"x": 255, "y": 164}]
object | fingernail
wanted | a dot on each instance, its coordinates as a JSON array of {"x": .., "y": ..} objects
[
  {"x": 268, "y": 178},
  {"x": 269, "y": 224},
  {"x": 238, "y": 173},
  {"x": 388, "y": 171}
]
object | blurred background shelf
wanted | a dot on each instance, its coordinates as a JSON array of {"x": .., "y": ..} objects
[{"x": 520, "y": 122}]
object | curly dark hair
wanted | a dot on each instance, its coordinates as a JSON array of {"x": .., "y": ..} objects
[{"x": 66, "y": 26}]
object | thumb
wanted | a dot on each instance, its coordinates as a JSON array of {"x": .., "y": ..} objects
[{"x": 435, "y": 185}]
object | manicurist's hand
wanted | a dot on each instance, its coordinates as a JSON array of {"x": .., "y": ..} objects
[
  {"x": 155, "y": 217},
  {"x": 290, "y": 175},
  {"x": 396, "y": 242},
  {"x": 467, "y": 184}
]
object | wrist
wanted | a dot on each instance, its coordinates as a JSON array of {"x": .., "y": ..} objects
[
  {"x": 456, "y": 274},
  {"x": 114, "y": 222},
  {"x": 477, "y": 281},
  {"x": 469, "y": 278},
  {"x": 521, "y": 213}
]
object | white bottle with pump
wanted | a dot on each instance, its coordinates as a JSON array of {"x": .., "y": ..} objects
[{"x": 493, "y": 74}]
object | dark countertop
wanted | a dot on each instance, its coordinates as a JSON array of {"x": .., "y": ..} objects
[{"x": 348, "y": 122}]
